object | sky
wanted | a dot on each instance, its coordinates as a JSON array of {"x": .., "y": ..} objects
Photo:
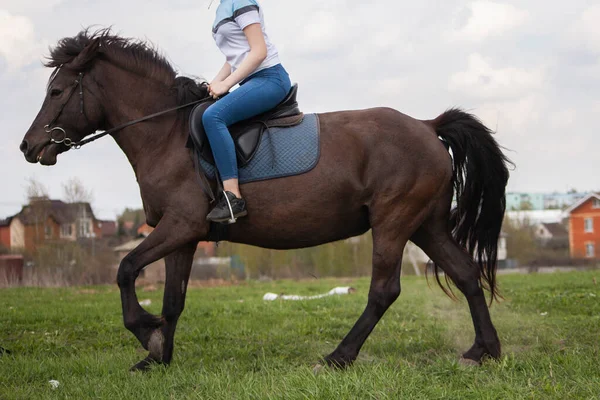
[{"x": 530, "y": 69}]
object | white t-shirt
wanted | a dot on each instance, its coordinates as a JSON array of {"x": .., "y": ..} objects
[{"x": 228, "y": 31}]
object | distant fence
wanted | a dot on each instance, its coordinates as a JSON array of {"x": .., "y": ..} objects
[{"x": 11, "y": 269}]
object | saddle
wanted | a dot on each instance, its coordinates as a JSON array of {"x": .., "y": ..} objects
[{"x": 246, "y": 134}]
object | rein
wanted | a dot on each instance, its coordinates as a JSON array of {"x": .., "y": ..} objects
[{"x": 77, "y": 145}]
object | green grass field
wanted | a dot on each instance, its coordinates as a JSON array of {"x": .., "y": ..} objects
[{"x": 233, "y": 345}]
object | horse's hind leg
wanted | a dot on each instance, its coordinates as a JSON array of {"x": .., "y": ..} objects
[
  {"x": 433, "y": 237},
  {"x": 178, "y": 267},
  {"x": 384, "y": 290},
  {"x": 394, "y": 219}
]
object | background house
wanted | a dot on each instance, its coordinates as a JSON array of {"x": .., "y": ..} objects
[
  {"x": 12, "y": 234},
  {"x": 584, "y": 227},
  {"x": 524, "y": 201},
  {"x": 552, "y": 235},
  {"x": 5, "y": 233},
  {"x": 533, "y": 217},
  {"x": 108, "y": 228},
  {"x": 44, "y": 220},
  {"x": 541, "y": 201}
]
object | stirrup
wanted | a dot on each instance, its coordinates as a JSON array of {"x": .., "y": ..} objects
[{"x": 232, "y": 220}]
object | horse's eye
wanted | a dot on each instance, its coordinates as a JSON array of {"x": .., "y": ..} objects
[{"x": 55, "y": 92}]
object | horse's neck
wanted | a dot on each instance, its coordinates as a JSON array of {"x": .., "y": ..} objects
[{"x": 139, "y": 97}]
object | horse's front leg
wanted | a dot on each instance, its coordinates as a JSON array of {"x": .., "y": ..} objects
[
  {"x": 170, "y": 235},
  {"x": 178, "y": 268}
]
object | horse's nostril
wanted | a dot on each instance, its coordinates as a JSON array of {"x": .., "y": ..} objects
[{"x": 24, "y": 146}]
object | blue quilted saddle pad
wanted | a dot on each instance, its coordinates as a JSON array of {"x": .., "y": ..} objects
[{"x": 282, "y": 152}]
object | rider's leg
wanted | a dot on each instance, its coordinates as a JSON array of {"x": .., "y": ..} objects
[{"x": 259, "y": 93}]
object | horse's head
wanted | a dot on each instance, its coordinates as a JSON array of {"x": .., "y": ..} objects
[{"x": 71, "y": 109}]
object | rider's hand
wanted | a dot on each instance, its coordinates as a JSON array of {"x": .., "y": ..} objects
[{"x": 218, "y": 89}]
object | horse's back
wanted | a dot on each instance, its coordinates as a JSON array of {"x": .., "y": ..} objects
[{"x": 389, "y": 138}]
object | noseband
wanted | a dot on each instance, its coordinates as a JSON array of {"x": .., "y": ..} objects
[{"x": 59, "y": 136}]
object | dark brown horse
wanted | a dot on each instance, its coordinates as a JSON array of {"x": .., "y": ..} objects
[{"x": 379, "y": 169}]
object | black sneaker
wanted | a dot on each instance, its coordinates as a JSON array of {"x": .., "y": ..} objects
[{"x": 222, "y": 213}]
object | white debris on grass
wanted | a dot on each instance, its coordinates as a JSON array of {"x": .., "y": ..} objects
[
  {"x": 270, "y": 297},
  {"x": 54, "y": 384},
  {"x": 544, "y": 314},
  {"x": 146, "y": 302},
  {"x": 332, "y": 292}
]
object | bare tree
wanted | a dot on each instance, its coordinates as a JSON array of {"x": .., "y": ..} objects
[
  {"x": 36, "y": 190},
  {"x": 38, "y": 205},
  {"x": 75, "y": 192}
]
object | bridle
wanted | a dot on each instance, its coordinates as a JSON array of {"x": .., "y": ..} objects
[
  {"x": 50, "y": 130},
  {"x": 62, "y": 137}
]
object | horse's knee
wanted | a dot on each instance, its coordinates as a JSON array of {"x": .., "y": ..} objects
[{"x": 126, "y": 274}]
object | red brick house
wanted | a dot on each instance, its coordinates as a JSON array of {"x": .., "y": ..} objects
[
  {"x": 5, "y": 232},
  {"x": 584, "y": 227},
  {"x": 44, "y": 220},
  {"x": 12, "y": 235},
  {"x": 108, "y": 228}
]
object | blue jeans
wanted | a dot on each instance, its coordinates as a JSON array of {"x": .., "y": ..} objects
[{"x": 257, "y": 94}]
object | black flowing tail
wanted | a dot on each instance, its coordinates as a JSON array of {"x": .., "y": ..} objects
[{"x": 479, "y": 179}]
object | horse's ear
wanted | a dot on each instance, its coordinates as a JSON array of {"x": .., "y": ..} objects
[{"x": 85, "y": 58}]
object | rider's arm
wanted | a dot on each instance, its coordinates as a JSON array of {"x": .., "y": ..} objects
[
  {"x": 223, "y": 73},
  {"x": 257, "y": 54}
]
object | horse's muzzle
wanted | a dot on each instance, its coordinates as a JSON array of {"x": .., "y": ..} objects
[{"x": 24, "y": 146}]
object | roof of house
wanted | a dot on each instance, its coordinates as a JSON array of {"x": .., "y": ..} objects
[
  {"x": 556, "y": 230},
  {"x": 582, "y": 201},
  {"x": 5, "y": 222},
  {"x": 61, "y": 212}
]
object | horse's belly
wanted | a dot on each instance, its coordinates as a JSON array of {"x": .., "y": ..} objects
[{"x": 299, "y": 230}]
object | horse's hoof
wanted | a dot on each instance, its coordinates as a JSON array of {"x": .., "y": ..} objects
[
  {"x": 144, "y": 366},
  {"x": 339, "y": 362},
  {"x": 318, "y": 369},
  {"x": 467, "y": 362}
]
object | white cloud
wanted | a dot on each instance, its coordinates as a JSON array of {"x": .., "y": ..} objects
[
  {"x": 585, "y": 32},
  {"x": 321, "y": 32},
  {"x": 488, "y": 18},
  {"x": 18, "y": 46},
  {"x": 483, "y": 81},
  {"x": 29, "y": 6}
]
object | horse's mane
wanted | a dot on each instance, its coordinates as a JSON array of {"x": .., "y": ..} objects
[{"x": 137, "y": 56}]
